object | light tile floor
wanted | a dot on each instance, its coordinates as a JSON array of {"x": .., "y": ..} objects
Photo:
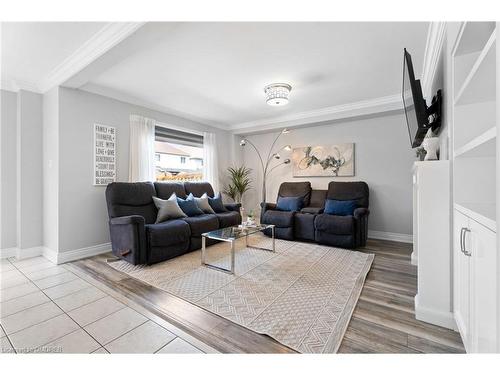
[{"x": 46, "y": 308}]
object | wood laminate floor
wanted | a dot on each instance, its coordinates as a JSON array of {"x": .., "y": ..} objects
[{"x": 383, "y": 321}]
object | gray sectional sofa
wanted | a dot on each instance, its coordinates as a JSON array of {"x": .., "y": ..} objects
[{"x": 132, "y": 214}]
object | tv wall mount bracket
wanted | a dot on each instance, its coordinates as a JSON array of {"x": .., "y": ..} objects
[{"x": 434, "y": 113}]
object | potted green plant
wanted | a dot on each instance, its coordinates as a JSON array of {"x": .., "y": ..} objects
[{"x": 240, "y": 182}]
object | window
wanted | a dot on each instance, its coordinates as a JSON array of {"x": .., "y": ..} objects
[{"x": 178, "y": 155}]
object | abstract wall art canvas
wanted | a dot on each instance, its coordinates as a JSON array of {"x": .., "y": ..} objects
[{"x": 324, "y": 161}]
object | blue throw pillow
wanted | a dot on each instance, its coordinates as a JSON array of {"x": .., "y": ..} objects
[
  {"x": 289, "y": 203},
  {"x": 340, "y": 208},
  {"x": 189, "y": 206},
  {"x": 216, "y": 203}
]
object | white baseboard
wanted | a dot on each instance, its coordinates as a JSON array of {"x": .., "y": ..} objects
[
  {"x": 414, "y": 258},
  {"x": 461, "y": 329},
  {"x": 389, "y": 236},
  {"x": 440, "y": 318},
  {"x": 8, "y": 252},
  {"x": 50, "y": 254},
  {"x": 72, "y": 255},
  {"x": 29, "y": 252},
  {"x": 21, "y": 253},
  {"x": 53, "y": 255}
]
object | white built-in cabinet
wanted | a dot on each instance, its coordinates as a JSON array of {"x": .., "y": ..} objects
[
  {"x": 476, "y": 284},
  {"x": 475, "y": 168},
  {"x": 431, "y": 242}
]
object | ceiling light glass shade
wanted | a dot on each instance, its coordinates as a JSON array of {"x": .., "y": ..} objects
[
  {"x": 243, "y": 142},
  {"x": 287, "y": 161},
  {"x": 287, "y": 148},
  {"x": 277, "y": 94},
  {"x": 285, "y": 131},
  {"x": 277, "y": 156}
]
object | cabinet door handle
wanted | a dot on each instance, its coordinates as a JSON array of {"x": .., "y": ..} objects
[
  {"x": 462, "y": 239},
  {"x": 465, "y": 250}
]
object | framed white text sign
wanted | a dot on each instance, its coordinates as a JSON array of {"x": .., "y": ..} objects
[{"x": 104, "y": 154}]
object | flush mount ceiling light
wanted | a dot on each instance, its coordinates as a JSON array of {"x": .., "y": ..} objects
[{"x": 277, "y": 93}]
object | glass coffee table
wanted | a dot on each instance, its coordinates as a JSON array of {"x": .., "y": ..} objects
[{"x": 230, "y": 235}]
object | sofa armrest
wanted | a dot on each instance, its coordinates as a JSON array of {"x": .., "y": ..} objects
[
  {"x": 267, "y": 206},
  {"x": 361, "y": 211},
  {"x": 264, "y": 207},
  {"x": 312, "y": 210},
  {"x": 233, "y": 206},
  {"x": 128, "y": 238},
  {"x": 125, "y": 220},
  {"x": 361, "y": 216}
]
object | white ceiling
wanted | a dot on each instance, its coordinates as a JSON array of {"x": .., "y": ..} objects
[
  {"x": 217, "y": 71},
  {"x": 31, "y": 50}
]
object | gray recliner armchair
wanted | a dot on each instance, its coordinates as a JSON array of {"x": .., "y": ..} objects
[
  {"x": 345, "y": 231},
  {"x": 284, "y": 220}
]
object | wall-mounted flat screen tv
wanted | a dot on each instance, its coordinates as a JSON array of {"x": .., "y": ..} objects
[{"x": 414, "y": 103}]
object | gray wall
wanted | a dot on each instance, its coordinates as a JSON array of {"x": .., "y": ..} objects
[
  {"x": 51, "y": 169},
  {"x": 8, "y": 177},
  {"x": 383, "y": 158},
  {"x": 82, "y": 206},
  {"x": 29, "y": 170}
]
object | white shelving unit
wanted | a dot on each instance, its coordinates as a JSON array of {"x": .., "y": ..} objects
[
  {"x": 481, "y": 146},
  {"x": 474, "y": 160},
  {"x": 481, "y": 212},
  {"x": 474, "y": 118},
  {"x": 478, "y": 85}
]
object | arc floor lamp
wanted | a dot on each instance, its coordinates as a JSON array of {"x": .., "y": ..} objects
[{"x": 267, "y": 168}]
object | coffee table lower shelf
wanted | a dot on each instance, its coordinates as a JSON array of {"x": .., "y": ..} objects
[{"x": 231, "y": 237}]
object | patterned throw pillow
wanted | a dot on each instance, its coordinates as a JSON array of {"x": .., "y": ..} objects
[
  {"x": 216, "y": 203},
  {"x": 189, "y": 206},
  {"x": 203, "y": 204},
  {"x": 168, "y": 209}
]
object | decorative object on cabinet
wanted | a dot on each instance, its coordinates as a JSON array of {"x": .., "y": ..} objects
[
  {"x": 430, "y": 146},
  {"x": 420, "y": 153}
]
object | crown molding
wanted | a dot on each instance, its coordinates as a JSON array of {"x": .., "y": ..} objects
[
  {"x": 101, "y": 42},
  {"x": 433, "y": 47},
  {"x": 9, "y": 85},
  {"x": 15, "y": 85},
  {"x": 123, "y": 97},
  {"x": 356, "y": 109}
]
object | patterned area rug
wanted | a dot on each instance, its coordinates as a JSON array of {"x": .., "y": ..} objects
[{"x": 303, "y": 295}]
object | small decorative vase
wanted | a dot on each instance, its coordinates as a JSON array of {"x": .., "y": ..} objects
[{"x": 430, "y": 146}]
